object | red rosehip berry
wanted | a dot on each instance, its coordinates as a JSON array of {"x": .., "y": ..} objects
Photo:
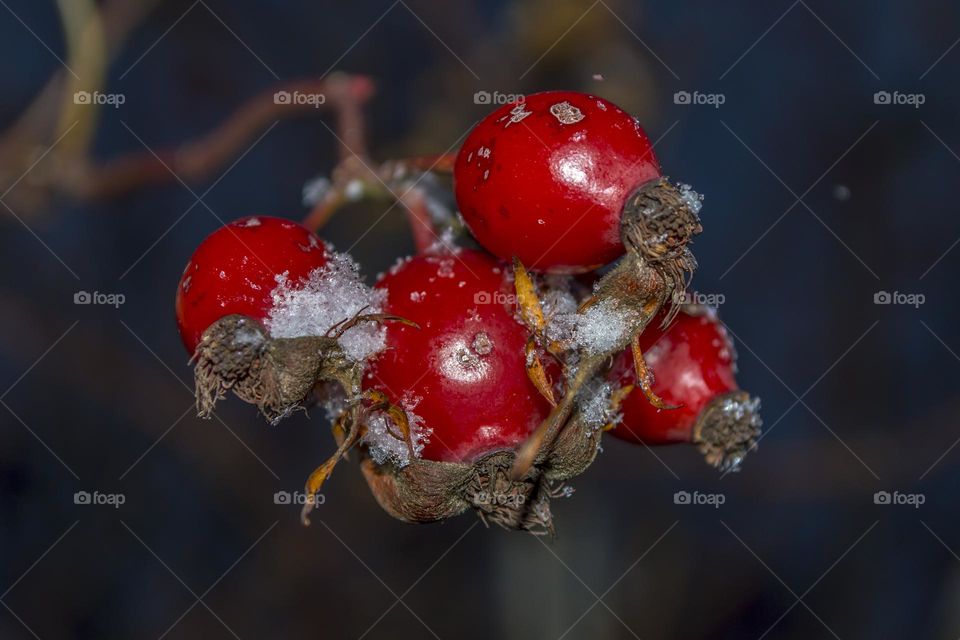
[
  {"x": 461, "y": 376},
  {"x": 235, "y": 269},
  {"x": 546, "y": 179},
  {"x": 693, "y": 364}
]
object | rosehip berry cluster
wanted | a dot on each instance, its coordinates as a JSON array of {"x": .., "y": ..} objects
[{"x": 484, "y": 378}]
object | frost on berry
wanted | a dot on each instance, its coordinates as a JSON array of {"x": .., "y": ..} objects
[
  {"x": 330, "y": 295},
  {"x": 604, "y": 326},
  {"x": 595, "y": 403},
  {"x": 386, "y": 445},
  {"x": 600, "y": 328},
  {"x": 691, "y": 198}
]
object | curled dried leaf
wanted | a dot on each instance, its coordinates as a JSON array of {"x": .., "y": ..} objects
[
  {"x": 616, "y": 400},
  {"x": 537, "y": 373},
  {"x": 319, "y": 475},
  {"x": 530, "y": 309},
  {"x": 399, "y": 417},
  {"x": 645, "y": 377}
]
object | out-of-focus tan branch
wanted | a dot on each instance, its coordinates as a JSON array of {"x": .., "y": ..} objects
[
  {"x": 87, "y": 62},
  {"x": 94, "y": 36},
  {"x": 198, "y": 159}
]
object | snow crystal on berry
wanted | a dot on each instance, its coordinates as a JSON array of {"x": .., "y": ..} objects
[
  {"x": 334, "y": 401},
  {"x": 315, "y": 190},
  {"x": 558, "y": 298},
  {"x": 600, "y": 328},
  {"x": 384, "y": 442},
  {"x": 595, "y": 406},
  {"x": 330, "y": 295},
  {"x": 691, "y": 198},
  {"x": 444, "y": 244},
  {"x": 603, "y": 327}
]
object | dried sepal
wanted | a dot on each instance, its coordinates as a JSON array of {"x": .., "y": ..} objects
[
  {"x": 537, "y": 373},
  {"x": 645, "y": 377},
  {"x": 530, "y": 309},
  {"x": 616, "y": 401},
  {"x": 351, "y": 435},
  {"x": 399, "y": 418},
  {"x": 375, "y": 400},
  {"x": 345, "y": 325}
]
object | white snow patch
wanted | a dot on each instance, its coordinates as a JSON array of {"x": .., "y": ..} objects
[
  {"x": 329, "y": 295},
  {"x": 382, "y": 438},
  {"x": 247, "y": 336},
  {"x": 558, "y": 298},
  {"x": 354, "y": 190},
  {"x": 602, "y": 327},
  {"x": 334, "y": 402},
  {"x": 315, "y": 190},
  {"x": 691, "y": 198},
  {"x": 594, "y": 404}
]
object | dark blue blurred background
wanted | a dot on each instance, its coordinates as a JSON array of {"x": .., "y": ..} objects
[{"x": 818, "y": 196}]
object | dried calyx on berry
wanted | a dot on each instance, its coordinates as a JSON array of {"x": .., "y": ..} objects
[
  {"x": 693, "y": 366},
  {"x": 279, "y": 375}
]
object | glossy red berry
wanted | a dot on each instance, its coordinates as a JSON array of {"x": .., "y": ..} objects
[
  {"x": 235, "y": 268},
  {"x": 461, "y": 376},
  {"x": 546, "y": 179},
  {"x": 694, "y": 365}
]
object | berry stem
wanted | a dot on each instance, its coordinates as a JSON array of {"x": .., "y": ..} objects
[
  {"x": 638, "y": 289},
  {"x": 414, "y": 201}
]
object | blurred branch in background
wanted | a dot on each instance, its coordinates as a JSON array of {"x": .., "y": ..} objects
[{"x": 59, "y": 127}]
